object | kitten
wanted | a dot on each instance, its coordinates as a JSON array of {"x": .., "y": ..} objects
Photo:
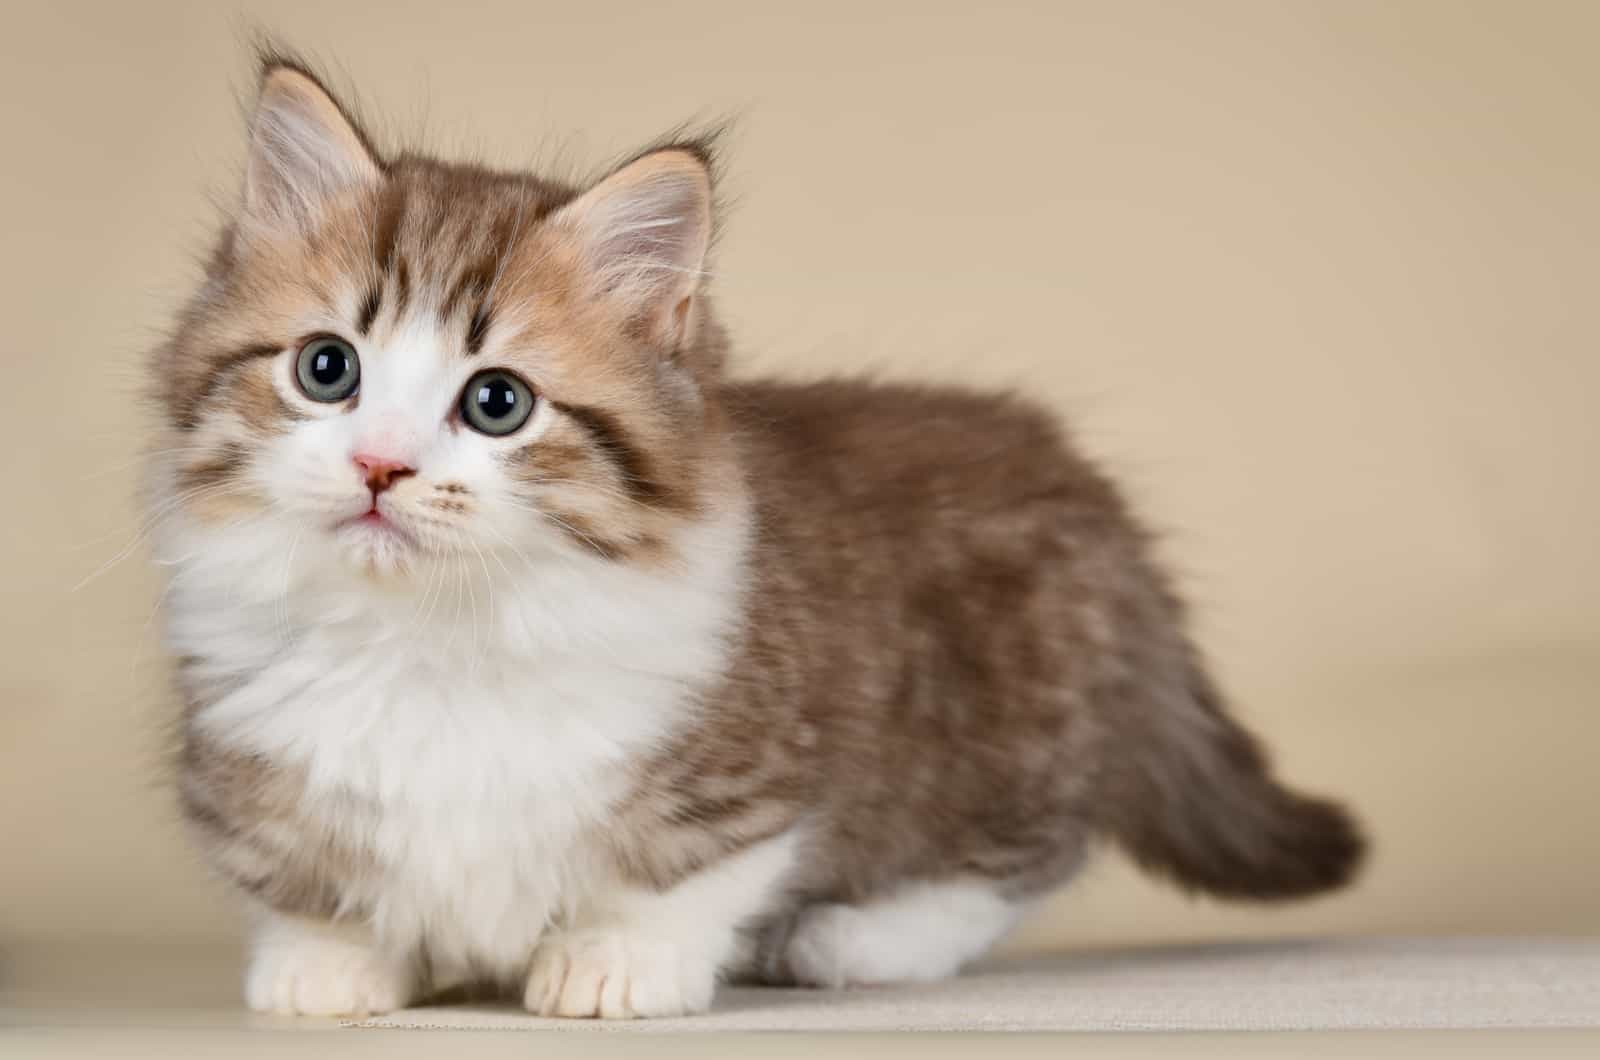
[{"x": 519, "y": 646}]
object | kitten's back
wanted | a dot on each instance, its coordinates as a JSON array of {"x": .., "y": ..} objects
[{"x": 983, "y": 639}]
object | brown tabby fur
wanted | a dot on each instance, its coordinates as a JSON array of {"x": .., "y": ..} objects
[{"x": 958, "y": 658}]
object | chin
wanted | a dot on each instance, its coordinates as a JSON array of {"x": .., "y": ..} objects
[{"x": 381, "y": 551}]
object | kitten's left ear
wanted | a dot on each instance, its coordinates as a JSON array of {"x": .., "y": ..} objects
[
  {"x": 304, "y": 150},
  {"x": 642, "y": 235}
]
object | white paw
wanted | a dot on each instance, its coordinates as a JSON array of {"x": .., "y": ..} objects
[
  {"x": 325, "y": 977},
  {"x": 617, "y": 976},
  {"x": 818, "y": 952},
  {"x": 921, "y": 933}
]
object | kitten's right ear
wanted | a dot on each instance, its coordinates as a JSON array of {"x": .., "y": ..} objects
[{"x": 304, "y": 150}]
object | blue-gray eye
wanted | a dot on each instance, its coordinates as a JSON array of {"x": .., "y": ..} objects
[
  {"x": 496, "y": 402},
  {"x": 328, "y": 369}
]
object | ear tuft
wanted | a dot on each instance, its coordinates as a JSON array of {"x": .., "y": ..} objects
[
  {"x": 304, "y": 148},
  {"x": 643, "y": 233}
]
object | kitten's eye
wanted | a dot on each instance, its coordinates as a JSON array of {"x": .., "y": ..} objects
[
  {"x": 328, "y": 369},
  {"x": 496, "y": 402}
]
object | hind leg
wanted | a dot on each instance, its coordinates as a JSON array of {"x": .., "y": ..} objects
[{"x": 922, "y": 931}]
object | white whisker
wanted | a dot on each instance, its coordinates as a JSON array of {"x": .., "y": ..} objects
[{"x": 166, "y": 509}]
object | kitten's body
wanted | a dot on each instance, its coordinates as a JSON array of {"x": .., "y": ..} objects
[{"x": 684, "y": 677}]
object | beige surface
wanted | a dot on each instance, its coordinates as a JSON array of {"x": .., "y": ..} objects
[
  {"x": 1346, "y": 984},
  {"x": 1522, "y": 996},
  {"x": 162, "y": 1043},
  {"x": 1292, "y": 985},
  {"x": 1316, "y": 279}
]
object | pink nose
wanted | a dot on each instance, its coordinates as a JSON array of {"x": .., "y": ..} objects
[{"x": 381, "y": 472}]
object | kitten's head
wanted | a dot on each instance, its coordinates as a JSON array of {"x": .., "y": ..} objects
[{"x": 401, "y": 357}]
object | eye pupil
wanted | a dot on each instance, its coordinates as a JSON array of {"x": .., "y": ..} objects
[
  {"x": 328, "y": 365},
  {"x": 496, "y": 399}
]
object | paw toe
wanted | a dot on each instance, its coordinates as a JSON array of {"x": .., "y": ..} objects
[{"x": 611, "y": 976}]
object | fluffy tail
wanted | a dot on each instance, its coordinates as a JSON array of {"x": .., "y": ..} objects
[{"x": 1196, "y": 801}]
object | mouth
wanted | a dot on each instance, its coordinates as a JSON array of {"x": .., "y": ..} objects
[{"x": 373, "y": 523}]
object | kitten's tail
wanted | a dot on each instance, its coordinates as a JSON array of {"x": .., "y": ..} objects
[{"x": 1197, "y": 802}]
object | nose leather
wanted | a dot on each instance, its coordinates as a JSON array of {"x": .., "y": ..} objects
[{"x": 381, "y": 472}]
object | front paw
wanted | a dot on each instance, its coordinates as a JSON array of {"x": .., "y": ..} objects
[
  {"x": 617, "y": 976},
  {"x": 325, "y": 977}
]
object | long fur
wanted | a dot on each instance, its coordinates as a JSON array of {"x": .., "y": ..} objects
[{"x": 682, "y": 678}]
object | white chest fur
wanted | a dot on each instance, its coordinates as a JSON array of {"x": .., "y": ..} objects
[{"x": 468, "y": 731}]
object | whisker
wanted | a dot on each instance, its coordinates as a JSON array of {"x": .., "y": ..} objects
[
  {"x": 509, "y": 544},
  {"x": 579, "y": 485},
  {"x": 163, "y": 512},
  {"x": 488, "y": 584},
  {"x": 466, "y": 577},
  {"x": 431, "y": 557},
  {"x": 569, "y": 528},
  {"x": 147, "y": 520},
  {"x": 283, "y": 610},
  {"x": 151, "y": 455},
  {"x": 455, "y": 621},
  {"x": 439, "y": 565}
]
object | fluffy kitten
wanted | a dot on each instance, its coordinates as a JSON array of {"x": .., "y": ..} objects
[{"x": 519, "y": 646}]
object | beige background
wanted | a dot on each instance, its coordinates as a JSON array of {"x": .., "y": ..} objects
[{"x": 1317, "y": 280}]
